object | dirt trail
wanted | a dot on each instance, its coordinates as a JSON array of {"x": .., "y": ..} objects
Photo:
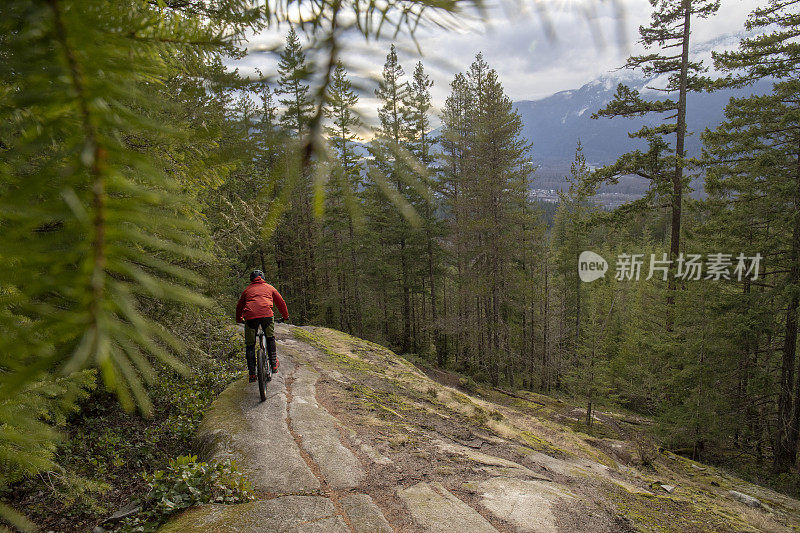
[{"x": 354, "y": 439}]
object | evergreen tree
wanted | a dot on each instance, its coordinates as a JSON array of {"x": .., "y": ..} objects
[
  {"x": 340, "y": 110},
  {"x": 569, "y": 239},
  {"x": 296, "y": 236},
  {"x": 588, "y": 372},
  {"x": 343, "y": 203},
  {"x": 266, "y": 131},
  {"x": 293, "y": 86},
  {"x": 488, "y": 189},
  {"x": 753, "y": 157},
  {"x": 530, "y": 315},
  {"x": 86, "y": 296},
  {"x": 392, "y": 92},
  {"x": 99, "y": 218},
  {"x": 663, "y": 163},
  {"x": 455, "y": 131},
  {"x": 388, "y": 188},
  {"x": 418, "y": 105}
]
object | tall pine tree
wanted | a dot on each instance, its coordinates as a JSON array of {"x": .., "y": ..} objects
[
  {"x": 343, "y": 206},
  {"x": 665, "y": 161},
  {"x": 388, "y": 189},
  {"x": 755, "y": 167},
  {"x": 297, "y": 235}
]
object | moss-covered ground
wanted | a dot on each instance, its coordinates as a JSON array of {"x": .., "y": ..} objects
[{"x": 400, "y": 403}]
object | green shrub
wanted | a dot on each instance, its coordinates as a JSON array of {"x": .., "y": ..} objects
[
  {"x": 187, "y": 483},
  {"x": 786, "y": 482},
  {"x": 480, "y": 376},
  {"x": 479, "y": 416},
  {"x": 105, "y": 451},
  {"x": 646, "y": 449},
  {"x": 468, "y": 384}
]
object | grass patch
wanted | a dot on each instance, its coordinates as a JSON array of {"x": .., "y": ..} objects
[
  {"x": 479, "y": 416},
  {"x": 321, "y": 342},
  {"x": 541, "y": 445},
  {"x": 519, "y": 403},
  {"x": 463, "y": 399},
  {"x": 660, "y": 514},
  {"x": 386, "y": 403}
]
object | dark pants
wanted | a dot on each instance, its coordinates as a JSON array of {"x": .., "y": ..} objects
[{"x": 267, "y": 325}]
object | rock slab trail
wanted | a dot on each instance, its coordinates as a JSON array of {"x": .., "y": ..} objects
[
  {"x": 438, "y": 511},
  {"x": 304, "y": 465},
  {"x": 290, "y": 449},
  {"x": 316, "y": 429},
  {"x": 354, "y": 439}
]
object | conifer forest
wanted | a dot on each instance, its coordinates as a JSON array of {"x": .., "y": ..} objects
[{"x": 142, "y": 179}]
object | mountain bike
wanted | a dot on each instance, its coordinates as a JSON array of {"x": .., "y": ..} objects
[{"x": 263, "y": 368}]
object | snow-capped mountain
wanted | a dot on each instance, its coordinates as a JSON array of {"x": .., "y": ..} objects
[{"x": 555, "y": 123}]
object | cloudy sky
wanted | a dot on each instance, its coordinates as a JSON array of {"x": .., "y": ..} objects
[{"x": 592, "y": 39}]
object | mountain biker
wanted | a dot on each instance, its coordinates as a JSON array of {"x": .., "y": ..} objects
[{"x": 255, "y": 308}]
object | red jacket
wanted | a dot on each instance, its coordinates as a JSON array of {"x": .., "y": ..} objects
[{"x": 256, "y": 301}]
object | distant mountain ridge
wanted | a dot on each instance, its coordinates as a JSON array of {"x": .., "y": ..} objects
[{"x": 555, "y": 123}]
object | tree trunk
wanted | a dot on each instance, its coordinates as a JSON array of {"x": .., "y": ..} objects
[
  {"x": 577, "y": 305},
  {"x": 441, "y": 352},
  {"x": 546, "y": 319},
  {"x": 677, "y": 177},
  {"x": 788, "y": 404},
  {"x": 589, "y": 415},
  {"x": 406, "y": 344},
  {"x": 358, "y": 320}
]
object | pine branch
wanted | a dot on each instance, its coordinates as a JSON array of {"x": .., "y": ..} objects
[{"x": 97, "y": 161}]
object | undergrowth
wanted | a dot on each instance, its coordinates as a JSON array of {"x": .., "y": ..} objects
[
  {"x": 186, "y": 482},
  {"x": 109, "y": 459}
]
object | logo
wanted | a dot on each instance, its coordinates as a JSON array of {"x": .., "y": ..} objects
[
  {"x": 686, "y": 267},
  {"x": 591, "y": 266}
]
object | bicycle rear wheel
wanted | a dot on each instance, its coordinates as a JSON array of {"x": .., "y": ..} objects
[{"x": 261, "y": 371}]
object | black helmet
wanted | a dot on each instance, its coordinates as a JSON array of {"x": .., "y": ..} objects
[{"x": 256, "y": 274}]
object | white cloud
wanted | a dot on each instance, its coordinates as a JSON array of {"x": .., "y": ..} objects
[{"x": 514, "y": 42}]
